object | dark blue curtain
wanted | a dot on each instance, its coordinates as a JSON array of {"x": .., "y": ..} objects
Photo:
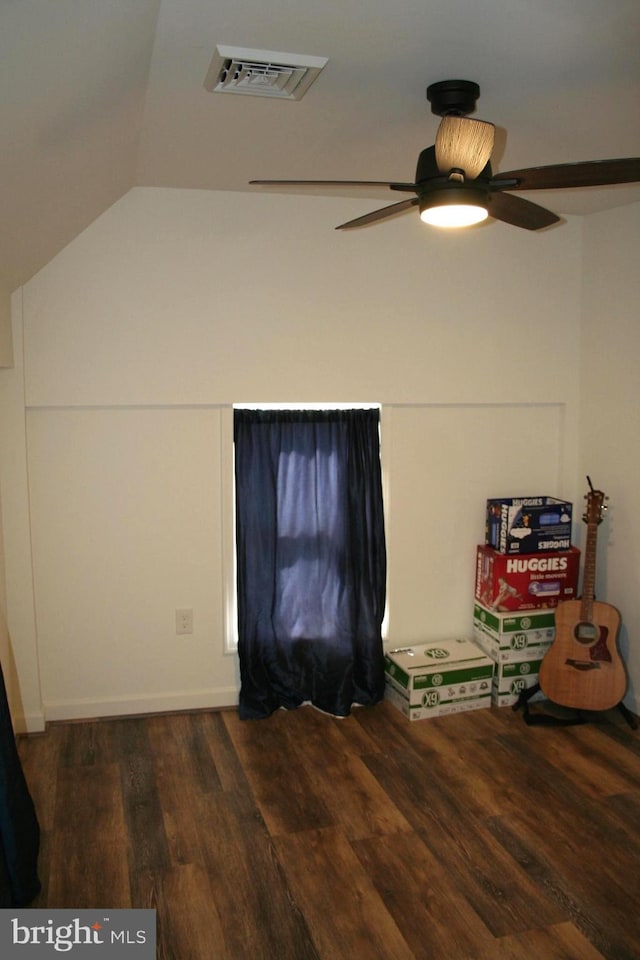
[
  {"x": 19, "y": 828},
  {"x": 311, "y": 559}
]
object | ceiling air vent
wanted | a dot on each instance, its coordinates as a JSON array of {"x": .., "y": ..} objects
[{"x": 262, "y": 73}]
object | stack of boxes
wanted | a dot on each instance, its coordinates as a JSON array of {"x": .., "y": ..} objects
[{"x": 524, "y": 569}]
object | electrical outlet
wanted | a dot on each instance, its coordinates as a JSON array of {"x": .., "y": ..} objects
[{"x": 184, "y": 621}]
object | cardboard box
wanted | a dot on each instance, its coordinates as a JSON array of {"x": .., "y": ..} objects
[
  {"x": 528, "y": 524},
  {"x": 514, "y": 637},
  {"x": 435, "y": 679},
  {"x": 416, "y": 712},
  {"x": 527, "y": 582},
  {"x": 510, "y": 679}
]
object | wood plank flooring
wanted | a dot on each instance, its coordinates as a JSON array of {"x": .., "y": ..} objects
[{"x": 304, "y": 837}]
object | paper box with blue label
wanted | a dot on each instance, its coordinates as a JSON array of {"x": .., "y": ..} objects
[
  {"x": 528, "y": 524},
  {"x": 431, "y": 680}
]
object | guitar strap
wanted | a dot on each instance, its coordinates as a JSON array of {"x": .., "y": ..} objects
[{"x": 543, "y": 719}]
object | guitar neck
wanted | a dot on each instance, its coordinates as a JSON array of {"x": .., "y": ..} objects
[{"x": 589, "y": 573}]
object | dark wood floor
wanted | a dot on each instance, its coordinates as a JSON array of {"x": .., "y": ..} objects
[{"x": 303, "y": 837}]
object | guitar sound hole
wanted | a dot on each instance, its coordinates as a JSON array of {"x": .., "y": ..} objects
[{"x": 586, "y": 632}]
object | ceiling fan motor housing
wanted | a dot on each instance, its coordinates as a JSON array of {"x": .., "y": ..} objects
[
  {"x": 453, "y": 97},
  {"x": 428, "y": 175},
  {"x": 475, "y": 194}
]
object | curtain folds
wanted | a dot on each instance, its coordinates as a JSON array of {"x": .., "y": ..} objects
[
  {"x": 19, "y": 827},
  {"x": 311, "y": 559}
]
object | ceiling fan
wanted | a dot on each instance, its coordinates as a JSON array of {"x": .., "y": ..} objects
[{"x": 454, "y": 184}]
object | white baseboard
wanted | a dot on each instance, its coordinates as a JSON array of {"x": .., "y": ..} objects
[
  {"x": 29, "y": 723},
  {"x": 123, "y": 706}
]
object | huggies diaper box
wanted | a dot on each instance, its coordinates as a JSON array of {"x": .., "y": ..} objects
[
  {"x": 528, "y": 524},
  {"x": 528, "y": 582}
]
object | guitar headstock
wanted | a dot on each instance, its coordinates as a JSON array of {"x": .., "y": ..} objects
[{"x": 596, "y": 506}]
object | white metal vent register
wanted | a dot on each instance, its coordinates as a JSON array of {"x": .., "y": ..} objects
[{"x": 262, "y": 73}]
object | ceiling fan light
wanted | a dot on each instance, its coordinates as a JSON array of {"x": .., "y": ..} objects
[
  {"x": 454, "y": 215},
  {"x": 453, "y": 208}
]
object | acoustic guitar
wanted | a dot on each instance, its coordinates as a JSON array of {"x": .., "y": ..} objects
[{"x": 582, "y": 668}]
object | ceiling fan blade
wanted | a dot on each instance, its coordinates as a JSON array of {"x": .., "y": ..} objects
[
  {"x": 464, "y": 144},
  {"x": 590, "y": 173},
  {"x": 408, "y": 187},
  {"x": 380, "y": 214},
  {"x": 519, "y": 212}
]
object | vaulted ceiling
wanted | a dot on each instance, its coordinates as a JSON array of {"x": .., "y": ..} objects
[{"x": 99, "y": 96}]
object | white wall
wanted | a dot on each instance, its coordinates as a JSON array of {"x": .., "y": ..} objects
[
  {"x": 18, "y": 634},
  {"x": 7, "y": 659},
  {"x": 6, "y": 343},
  {"x": 126, "y": 529},
  {"x": 610, "y": 413},
  {"x": 173, "y": 305},
  {"x": 6, "y": 652}
]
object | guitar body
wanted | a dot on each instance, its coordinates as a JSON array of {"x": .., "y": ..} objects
[{"x": 582, "y": 668}]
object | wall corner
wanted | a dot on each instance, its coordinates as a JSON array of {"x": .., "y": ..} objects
[{"x": 6, "y": 336}]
